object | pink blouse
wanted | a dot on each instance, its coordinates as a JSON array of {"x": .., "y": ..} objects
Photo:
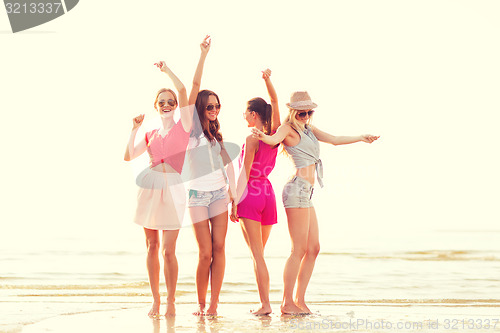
[{"x": 170, "y": 149}]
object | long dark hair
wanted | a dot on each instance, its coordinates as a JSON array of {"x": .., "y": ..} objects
[
  {"x": 211, "y": 129},
  {"x": 264, "y": 110}
]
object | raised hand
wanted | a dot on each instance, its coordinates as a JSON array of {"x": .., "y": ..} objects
[
  {"x": 266, "y": 74},
  {"x": 162, "y": 66},
  {"x": 368, "y": 138},
  {"x": 205, "y": 45},
  {"x": 138, "y": 121}
]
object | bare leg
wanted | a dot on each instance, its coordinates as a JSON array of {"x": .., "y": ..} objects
[
  {"x": 201, "y": 228},
  {"x": 307, "y": 264},
  {"x": 256, "y": 238},
  {"x": 298, "y": 227},
  {"x": 153, "y": 265},
  {"x": 219, "y": 231},
  {"x": 171, "y": 268}
]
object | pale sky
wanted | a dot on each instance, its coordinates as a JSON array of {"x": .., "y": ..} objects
[{"x": 424, "y": 75}]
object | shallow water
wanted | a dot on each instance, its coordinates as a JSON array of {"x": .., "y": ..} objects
[{"x": 435, "y": 269}]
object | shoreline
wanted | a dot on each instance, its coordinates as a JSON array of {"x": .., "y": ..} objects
[{"x": 236, "y": 317}]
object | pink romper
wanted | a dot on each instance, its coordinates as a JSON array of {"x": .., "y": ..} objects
[
  {"x": 259, "y": 201},
  {"x": 161, "y": 200}
]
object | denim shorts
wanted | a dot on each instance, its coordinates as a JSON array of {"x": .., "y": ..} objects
[
  {"x": 206, "y": 198},
  {"x": 297, "y": 193}
]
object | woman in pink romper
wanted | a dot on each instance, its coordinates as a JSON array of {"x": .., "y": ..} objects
[
  {"x": 256, "y": 202},
  {"x": 161, "y": 198}
]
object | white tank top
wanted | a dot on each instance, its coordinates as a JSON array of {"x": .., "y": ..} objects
[{"x": 206, "y": 169}]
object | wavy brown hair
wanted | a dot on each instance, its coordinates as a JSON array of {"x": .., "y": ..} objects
[{"x": 211, "y": 129}]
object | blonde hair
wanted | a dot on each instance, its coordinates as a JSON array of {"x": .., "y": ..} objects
[{"x": 293, "y": 122}]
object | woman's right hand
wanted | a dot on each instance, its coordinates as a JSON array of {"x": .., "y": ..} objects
[
  {"x": 205, "y": 45},
  {"x": 234, "y": 212},
  {"x": 257, "y": 133},
  {"x": 266, "y": 74},
  {"x": 138, "y": 121}
]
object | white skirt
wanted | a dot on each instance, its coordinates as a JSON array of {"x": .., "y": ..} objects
[{"x": 161, "y": 200}]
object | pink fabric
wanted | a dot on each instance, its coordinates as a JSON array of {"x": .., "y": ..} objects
[
  {"x": 259, "y": 200},
  {"x": 170, "y": 149},
  {"x": 263, "y": 161}
]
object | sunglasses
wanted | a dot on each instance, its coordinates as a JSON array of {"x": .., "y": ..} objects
[
  {"x": 303, "y": 114},
  {"x": 210, "y": 107},
  {"x": 170, "y": 102}
]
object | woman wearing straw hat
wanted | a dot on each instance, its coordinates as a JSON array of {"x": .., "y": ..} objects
[{"x": 301, "y": 141}]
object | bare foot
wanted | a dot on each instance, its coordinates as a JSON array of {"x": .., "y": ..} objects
[
  {"x": 263, "y": 311},
  {"x": 170, "y": 310},
  {"x": 155, "y": 309},
  {"x": 212, "y": 310},
  {"x": 291, "y": 309},
  {"x": 304, "y": 307},
  {"x": 200, "y": 311}
]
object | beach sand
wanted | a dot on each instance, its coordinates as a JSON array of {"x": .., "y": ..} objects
[{"x": 327, "y": 318}]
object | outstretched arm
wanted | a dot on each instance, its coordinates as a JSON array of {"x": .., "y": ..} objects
[
  {"x": 134, "y": 151},
  {"x": 342, "y": 140},
  {"x": 205, "y": 47},
  {"x": 274, "y": 139},
  {"x": 275, "y": 120},
  {"x": 186, "y": 114}
]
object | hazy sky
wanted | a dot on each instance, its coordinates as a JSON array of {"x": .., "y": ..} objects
[{"x": 422, "y": 74}]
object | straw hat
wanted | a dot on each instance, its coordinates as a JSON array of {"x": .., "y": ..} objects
[{"x": 300, "y": 100}]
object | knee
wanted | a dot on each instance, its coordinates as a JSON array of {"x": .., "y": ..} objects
[
  {"x": 299, "y": 251},
  {"x": 168, "y": 255},
  {"x": 313, "y": 250},
  {"x": 205, "y": 255},
  {"x": 218, "y": 248},
  {"x": 153, "y": 247}
]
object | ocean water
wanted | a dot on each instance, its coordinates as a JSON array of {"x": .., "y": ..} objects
[{"x": 85, "y": 274}]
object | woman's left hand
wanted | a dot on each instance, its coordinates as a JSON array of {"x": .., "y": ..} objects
[
  {"x": 368, "y": 138},
  {"x": 162, "y": 66}
]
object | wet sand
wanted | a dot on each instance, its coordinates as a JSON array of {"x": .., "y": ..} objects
[{"x": 233, "y": 317}]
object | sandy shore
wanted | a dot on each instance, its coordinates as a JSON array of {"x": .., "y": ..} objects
[{"x": 236, "y": 318}]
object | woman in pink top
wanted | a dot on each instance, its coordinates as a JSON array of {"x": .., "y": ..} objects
[
  {"x": 256, "y": 202},
  {"x": 161, "y": 197}
]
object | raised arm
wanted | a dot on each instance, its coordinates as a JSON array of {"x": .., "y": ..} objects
[
  {"x": 134, "y": 151},
  {"x": 274, "y": 139},
  {"x": 205, "y": 47},
  {"x": 342, "y": 140},
  {"x": 275, "y": 120},
  {"x": 186, "y": 114}
]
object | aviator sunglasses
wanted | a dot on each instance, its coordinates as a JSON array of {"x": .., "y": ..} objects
[
  {"x": 303, "y": 114},
  {"x": 170, "y": 102},
  {"x": 210, "y": 107}
]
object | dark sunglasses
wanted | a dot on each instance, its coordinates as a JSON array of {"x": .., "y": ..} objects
[
  {"x": 303, "y": 114},
  {"x": 170, "y": 102},
  {"x": 210, "y": 107}
]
